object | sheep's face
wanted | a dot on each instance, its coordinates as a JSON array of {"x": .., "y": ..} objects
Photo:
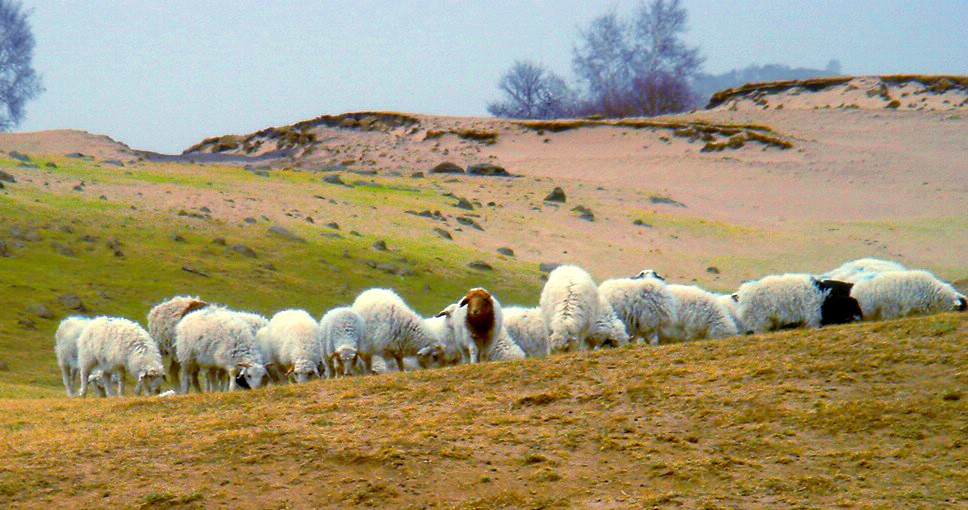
[
  {"x": 431, "y": 356},
  {"x": 151, "y": 380},
  {"x": 961, "y": 304},
  {"x": 96, "y": 380},
  {"x": 838, "y": 306},
  {"x": 562, "y": 343},
  {"x": 346, "y": 361},
  {"x": 253, "y": 374},
  {"x": 648, "y": 273},
  {"x": 480, "y": 311}
]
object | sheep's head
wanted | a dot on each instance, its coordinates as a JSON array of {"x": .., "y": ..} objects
[
  {"x": 302, "y": 371},
  {"x": 150, "y": 380},
  {"x": 346, "y": 360},
  {"x": 253, "y": 374},
  {"x": 96, "y": 381},
  {"x": 431, "y": 356},
  {"x": 648, "y": 273},
  {"x": 562, "y": 343},
  {"x": 961, "y": 304},
  {"x": 480, "y": 311}
]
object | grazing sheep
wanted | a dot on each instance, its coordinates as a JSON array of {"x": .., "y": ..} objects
[
  {"x": 570, "y": 305},
  {"x": 839, "y": 307},
  {"x": 861, "y": 269},
  {"x": 504, "y": 348},
  {"x": 99, "y": 383},
  {"x": 119, "y": 346},
  {"x": 731, "y": 302},
  {"x": 793, "y": 300},
  {"x": 476, "y": 323},
  {"x": 393, "y": 329},
  {"x": 162, "y": 319},
  {"x": 699, "y": 314},
  {"x": 342, "y": 331},
  {"x": 293, "y": 340},
  {"x": 527, "y": 327},
  {"x": 65, "y": 348},
  {"x": 906, "y": 293},
  {"x": 608, "y": 330},
  {"x": 446, "y": 351},
  {"x": 643, "y": 303},
  {"x": 221, "y": 339}
]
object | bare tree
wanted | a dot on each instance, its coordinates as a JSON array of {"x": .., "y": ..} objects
[
  {"x": 532, "y": 92},
  {"x": 602, "y": 63},
  {"x": 638, "y": 67},
  {"x": 19, "y": 83}
]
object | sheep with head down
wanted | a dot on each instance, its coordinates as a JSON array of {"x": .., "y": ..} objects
[
  {"x": 65, "y": 348},
  {"x": 119, "y": 346},
  {"x": 292, "y": 339},
  {"x": 162, "y": 319},
  {"x": 220, "y": 339},
  {"x": 341, "y": 332},
  {"x": 393, "y": 329},
  {"x": 892, "y": 295},
  {"x": 795, "y": 300},
  {"x": 643, "y": 303},
  {"x": 570, "y": 305}
]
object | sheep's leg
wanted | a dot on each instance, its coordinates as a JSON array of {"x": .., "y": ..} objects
[
  {"x": 185, "y": 378},
  {"x": 174, "y": 368},
  {"x": 67, "y": 376},
  {"x": 367, "y": 363},
  {"x": 106, "y": 377},
  {"x": 475, "y": 353},
  {"x": 654, "y": 338},
  {"x": 399, "y": 359},
  {"x": 84, "y": 374},
  {"x": 121, "y": 377},
  {"x": 194, "y": 380}
]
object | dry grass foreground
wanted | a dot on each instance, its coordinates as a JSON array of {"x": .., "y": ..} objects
[{"x": 866, "y": 415}]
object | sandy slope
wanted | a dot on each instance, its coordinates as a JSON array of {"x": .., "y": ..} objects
[{"x": 856, "y": 182}]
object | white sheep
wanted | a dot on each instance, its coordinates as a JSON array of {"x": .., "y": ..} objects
[
  {"x": 99, "y": 383},
  {"x": 342, "y": 331},
  {"x": 905, "y": 293},
  {"x": 162, "y": 319},
  {"x": 448, "y": 351},
  {"x": 218, "y": 338},
  {"x": 65, "y": 348},
  {"x": 504, "y": 348},
  {"x": 699, "y": 315},
  {"x": 861, "y": 269},
  {"x": 393, "y": 329},
  {"x": 608, "y": 330},
  {"x": 293, "y": 339},
  {"x": 527, "y": 327},
  {"x": 731, "y": 302},
  {"x": 476, "y": 324},
  {"x": 781, "y": 301},
  {"x": 119, "y": 346},
  {"x": 569, "y": 305},
  {"x": 643, "y": 303}
]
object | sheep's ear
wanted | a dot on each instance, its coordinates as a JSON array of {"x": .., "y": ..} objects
[
  {"x": 463, "y": 302},
  {"x": 658, "y": 276},
  {"x": 245, "y": 364},
  {"x": 735, "y": 297},
  {"x": 443, "y": 313},
  {"x": 291, "y": 369},
  {"x": 269, "y": 364},
  {"x": 192, "y": 306}
]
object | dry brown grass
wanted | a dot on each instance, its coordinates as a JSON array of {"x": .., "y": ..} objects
[{"x": 868, "y": 415}]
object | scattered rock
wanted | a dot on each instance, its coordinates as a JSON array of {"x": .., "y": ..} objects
[
  {"x": 51, "y": 164},
  {"x": 556, "y": 195},
  {"x": 380, "y": 245},
  {"x": 62, "y": 249},
  {"x": 79, "y": 187},
  {"x": 480, "y": 265},
  {"x": 506, "y": 251},
  {"x": 335, "y": 179},
  {"x": 587, "y": 216},
  {"x": 177, "y": 238},
  {"x": 19, "y": 156},
  {"x": 443, "y": 233},
  {"x": 88, "y": 238},
  {"x": 355, "y": 233},
  {"x": 4, "y": 367},
  {"x": 417, "y": 175},
  {"x": 4, "y": 176},
  {"x": 447, "y": 168},
  {"x": 113, "y": 162},
  {"x": 40, "y": 310},
  {"x": 331, "y": 235},
  {"x": 76, "y": 155},
  {"x": 219, "y": 241},
  {"x": 27, "y": 324},
  {"x": 268, "y": 265},
  {"x": 712, "y": 270},
  {"x": 547, "y": 267},
  {"x": 487, "y": 170},
  {"x": 192, "y": 270},
  {"x": 72, "y": 302},
  {"x": 309, "y": 219},
  {"x": 640, "y": 223},
  {"x": 27, "y": 165},
  {"x": 657, "y": 199},
  {"x": 4, "y": 250},
  {"x": 250, "y": 220},
  {"x": 243, "y": 250},
  {"x": 463, "y": 203},
  {"x": 464, "y": 220},
  {"x": 333, "y": 225},
  {"x": 281, "y": 232}
]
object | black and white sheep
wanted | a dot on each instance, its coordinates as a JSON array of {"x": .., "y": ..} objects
[{"x": 794, "y": 300}]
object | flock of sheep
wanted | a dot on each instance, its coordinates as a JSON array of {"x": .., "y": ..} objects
[{"x": 187, "y": 336}]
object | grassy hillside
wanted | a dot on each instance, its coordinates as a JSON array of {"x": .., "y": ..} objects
[{"x": 867, "y": 415}]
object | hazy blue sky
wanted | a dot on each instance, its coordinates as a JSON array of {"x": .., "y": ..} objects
[{"x": 162, "y": 75}]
